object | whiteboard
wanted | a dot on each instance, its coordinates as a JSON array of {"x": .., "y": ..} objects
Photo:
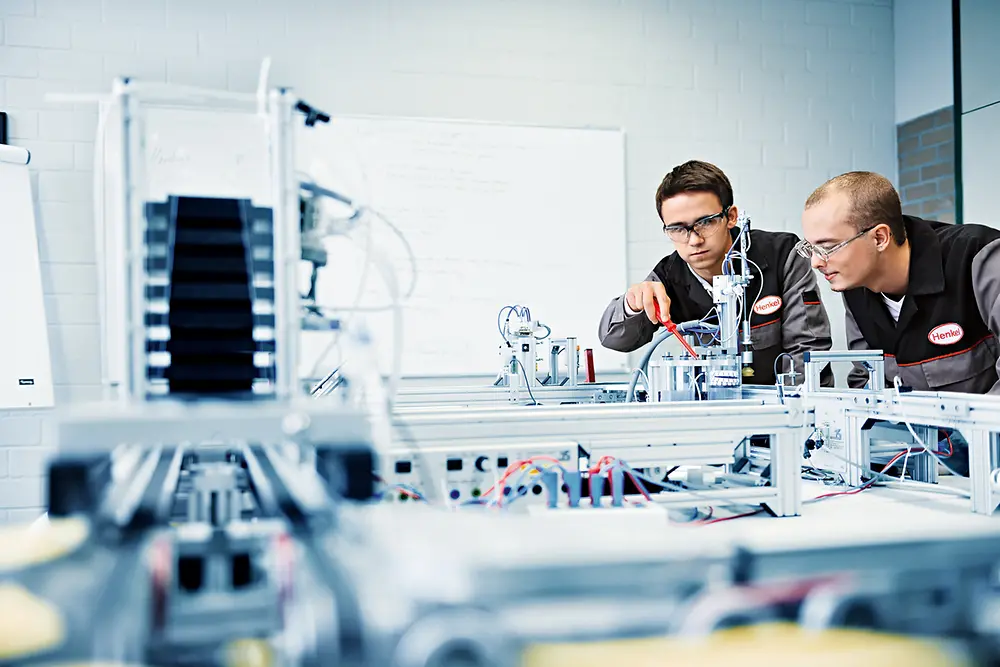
[
  {"x": 981, "y": 110},
  {"x": 980, "y": 54},
  {"x": 25, "y": 364},
  {"x": 980, "y": 165},
  {"x": 496, "y": 215}
]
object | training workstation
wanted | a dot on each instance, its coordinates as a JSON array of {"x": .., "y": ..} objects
[{"x": 352, "y": 335}]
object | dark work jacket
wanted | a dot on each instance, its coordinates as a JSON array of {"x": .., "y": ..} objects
[
  {"x": 787, "y": 316},
  {"x": 945, "y": 339}
]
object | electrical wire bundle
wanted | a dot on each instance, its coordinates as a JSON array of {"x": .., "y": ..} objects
[
  {"x": 728, "y": 269},
  {"x": 702, "y": 326},
  {"x": 518, "y": 478},
  {"x": 360, "y": 219}
]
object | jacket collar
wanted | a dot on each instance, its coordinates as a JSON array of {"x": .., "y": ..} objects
[
  {"x": 926, "y": 272},
  {"x": 925, "y": 277}
]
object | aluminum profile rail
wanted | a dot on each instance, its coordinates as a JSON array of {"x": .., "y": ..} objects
[
  {"x": 669, "y": 434},
  {"x": 100, "y": 428}
]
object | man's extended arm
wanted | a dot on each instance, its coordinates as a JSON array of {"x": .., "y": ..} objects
[{"x": 622, "y": 329}]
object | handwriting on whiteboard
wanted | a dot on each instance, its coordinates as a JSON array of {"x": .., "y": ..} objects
[
  {"x": 180, "y": 155},
  {"x": 495, "y": 215},
  {"x": 209, "y": 154}
]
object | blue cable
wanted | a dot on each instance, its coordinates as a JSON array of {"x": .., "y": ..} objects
[
  {"x": 500, "y": 316},
  {"x": 514, "y": 485},
  {"x": 516, "y": 309},
  {"x": 524, "y": 374}
]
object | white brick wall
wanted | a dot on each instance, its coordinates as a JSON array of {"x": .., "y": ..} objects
[{"x": 780, "y": 93}]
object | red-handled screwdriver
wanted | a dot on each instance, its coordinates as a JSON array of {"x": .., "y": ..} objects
[{"x": 672, "y": 328}]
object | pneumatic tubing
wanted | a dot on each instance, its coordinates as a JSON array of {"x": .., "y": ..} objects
[{"x": 694, "y": 326}]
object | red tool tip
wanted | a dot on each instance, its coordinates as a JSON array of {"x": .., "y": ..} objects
[{"x": 672, "y": 328}]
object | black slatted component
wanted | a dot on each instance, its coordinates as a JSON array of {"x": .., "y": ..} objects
[
  {"x": 210, "y": 316},
  {"x": 184, "y": 291},
  {"x": 163, "y": 373},
  {"x": 208, "y": 265},
  {"x": 202, "y": 347},
  {"x": 220, "y": 321},
  {"x": 75, "y": 485}
]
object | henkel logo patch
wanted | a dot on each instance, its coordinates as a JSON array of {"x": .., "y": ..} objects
[
  {"x": 767, "y": 305},
  {"x": 946, "y": 334}
]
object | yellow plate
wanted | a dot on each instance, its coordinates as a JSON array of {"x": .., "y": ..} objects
[
  {"x": 22, "y": 546},
  {"x": 249, "y": 653},
  {"x": 774, "y": 645},
  {"x": 28, "y": 624}
]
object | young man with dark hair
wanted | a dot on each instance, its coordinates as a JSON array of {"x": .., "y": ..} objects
[
  {"x": 695, "y": 205},
  {"x": 926, "y": 293}
]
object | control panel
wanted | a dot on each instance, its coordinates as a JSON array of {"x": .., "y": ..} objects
[
  {"x": 472, "y": 476},
  {"x": 557, "y": 475}
]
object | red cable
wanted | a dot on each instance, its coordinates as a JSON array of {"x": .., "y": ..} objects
[
  {"x": 852, "y": 492},
  {"x": 951, "y": 447},
  {"x": 726, "y": 518},
  {"x": 514, "y": 467},
  {"x": 867, "y": 485}
]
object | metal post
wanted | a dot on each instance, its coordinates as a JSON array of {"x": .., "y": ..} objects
[
  {"x": 746, "y": 343},
  {"x": 857, "y": 449},
  {"x": 572, "y": 361},
  {"x": 812, "y": 379},
  {"x": 133, "y": 224},
  {"x": 524, "y": 350},
  {"x": 724, "y": 296},
  {"x": 514, "y": 377},
  {"x": 786, "y": 467},
  {"x": 876, "y": 381},
  {"x": 287, "y": 251},
  {"x": 984, "y": 453},
  {"x": 923, "y": 466},
  {"x": 554, "y": 349}
]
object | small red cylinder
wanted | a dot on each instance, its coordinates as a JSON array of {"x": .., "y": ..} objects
[{"x": 591, "y": 375}]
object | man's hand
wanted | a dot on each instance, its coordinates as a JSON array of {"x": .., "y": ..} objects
[{"x": 643, "y": 297}]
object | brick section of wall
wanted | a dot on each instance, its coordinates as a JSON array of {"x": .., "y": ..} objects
[
  {"x": 926, "y": 147},
  {"x": 782, "y": 94}
]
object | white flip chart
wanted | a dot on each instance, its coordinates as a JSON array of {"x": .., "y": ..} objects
[{"x": 25, "y": 362}]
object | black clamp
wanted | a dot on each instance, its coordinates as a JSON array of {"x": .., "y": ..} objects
[{"x": 312, "y": 114}]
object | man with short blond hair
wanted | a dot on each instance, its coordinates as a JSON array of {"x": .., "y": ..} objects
[{"x": 926, "y": 293}]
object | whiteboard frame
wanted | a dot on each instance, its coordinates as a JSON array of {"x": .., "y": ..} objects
[{"x": 469, "y": 121}]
